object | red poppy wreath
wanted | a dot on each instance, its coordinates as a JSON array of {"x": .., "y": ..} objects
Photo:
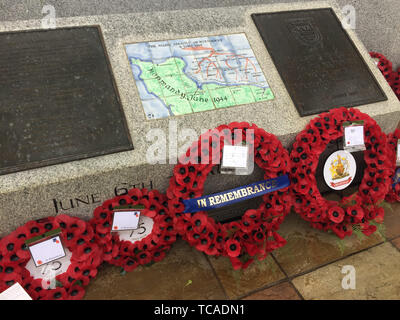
[
  {"x": 357, "y": 209},
  {"x": 394, "y": 192},
  {"x": 254, "y": 235},
  {"x": 386, "y": 67},
  {"x": 63, "y": 279},
  {"x": 149, "y": 243}
]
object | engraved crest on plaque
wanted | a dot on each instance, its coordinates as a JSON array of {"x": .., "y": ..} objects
[{"x": 305, "y": 31}]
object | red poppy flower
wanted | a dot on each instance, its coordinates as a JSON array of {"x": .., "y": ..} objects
[
  {"x": 212, "y": 250},
  {"x": 252, "y": 248},
  {"x": 203, "y": 243},
  {"x": 199, "y": 221},
  {"x": 253, "y": 214},
  {"x": 135, "y": 194},
  {"x": 181, "y": 192},
  {"x": 355, "y": 212},
  {"x": 76, "y": 293},
  {"x": 259, "y": 236},
  {"x": 248, "y": 224},
  {"x": 236, "y": 263},
  {"x": 180, "y": 172},
  {"x": 169, "y": 239},
  {"x": 110, "y": 251},
  {"x": 193, "y": 237},
  {"x": 175, "y": 205},
  {"x": 101, "y": 214},
  {"x": 159, "y": 255},
  {"x": 341, "y": 230},
  {"x": 304, "y": 186},
  {"x": 336, "y": 214},
  {"x": 368, "y": 229},
  {"x": 376, "y": 213},
  {"x": 232, "y": 247},
  {"x": 144, "y": 258},
  {"x": 238, "y": 125},
  {"x": 275, "y": 241},
  {"x": 187, "y": 180},
  {"x": 56, "y": 294}
]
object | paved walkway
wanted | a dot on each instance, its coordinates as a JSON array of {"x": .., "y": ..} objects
[{"x": 308, "y": 267}]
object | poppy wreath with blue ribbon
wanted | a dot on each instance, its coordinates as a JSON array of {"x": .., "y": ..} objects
[
  {"x": 394, "y": 192},
  {"x": 155, "y": 242},
  {"x": 76, "y": 235},
  {"x": 358, "y": 209},
  {"x": 255, "y": 234}
]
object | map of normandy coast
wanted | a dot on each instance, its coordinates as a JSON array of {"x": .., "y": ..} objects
[{"x": 178, "y": 77}]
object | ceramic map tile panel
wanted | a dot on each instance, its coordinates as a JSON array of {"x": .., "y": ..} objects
[{"x": 178, "y": 77}]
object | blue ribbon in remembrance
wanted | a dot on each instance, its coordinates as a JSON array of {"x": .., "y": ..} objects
[{"x": 221, "y": 199}]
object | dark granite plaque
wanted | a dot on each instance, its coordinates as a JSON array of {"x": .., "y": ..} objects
[
  {"x": 58, "y": 99},
  {"x": 318, "y": 62}
]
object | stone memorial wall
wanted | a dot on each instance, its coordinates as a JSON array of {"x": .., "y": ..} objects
[{"x": 173, "y": 71}]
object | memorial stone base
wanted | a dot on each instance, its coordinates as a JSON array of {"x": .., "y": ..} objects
[{"x": 78, "y": 186}]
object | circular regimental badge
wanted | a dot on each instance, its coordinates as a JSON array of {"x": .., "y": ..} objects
[{"x": 339, "y": 170}]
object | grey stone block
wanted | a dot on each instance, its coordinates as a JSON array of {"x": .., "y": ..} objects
[{"x": 79, "y": 186}]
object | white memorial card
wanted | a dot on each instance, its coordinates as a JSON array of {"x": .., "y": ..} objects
[
  {"x": 47, "y": 251},
  {"x": 125, "y": 220},
  {"x": 15, "y": 292},
  {"x": 354, "y": 135},
  {"x": 398, "y": 153},
  {"x": 354, "y": 138},
  {"x": 235, "y": 156},
  {"x": 50, "y": 269}
]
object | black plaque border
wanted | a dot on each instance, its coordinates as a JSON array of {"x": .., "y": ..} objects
[
  {"x": 302, "y": 112},
  {"x": 81, "y": 156}
]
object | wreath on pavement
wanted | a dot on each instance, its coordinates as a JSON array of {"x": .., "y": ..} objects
[
  {"x": 254, "y": 235},
  {"x": 394, "y": 192},
  {"x": 149, "y": 243},
  {"x": 72, "y": 273},
  {"x": 393, "y": 78},
  {"x": 358, "y": 209}
]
